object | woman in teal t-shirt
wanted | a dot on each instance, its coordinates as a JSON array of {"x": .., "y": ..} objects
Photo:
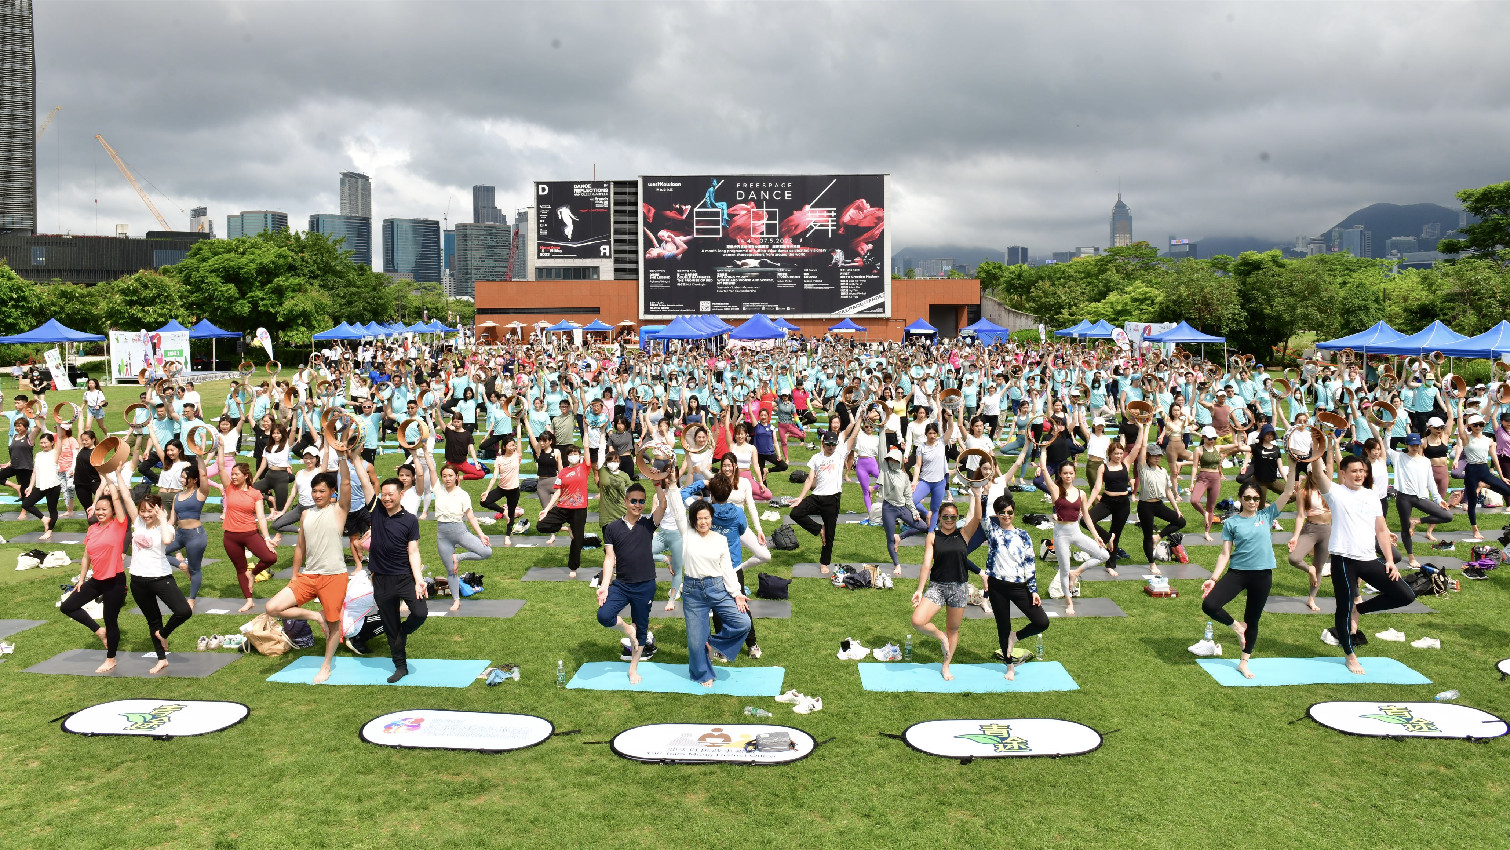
[{"x": 1248, "y": 550}]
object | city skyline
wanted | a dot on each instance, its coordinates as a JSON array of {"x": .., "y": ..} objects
[{"x": 1239, "y": 145}]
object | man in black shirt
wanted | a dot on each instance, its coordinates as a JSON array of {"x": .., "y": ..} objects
[
  {"x": 397, "y": 574},
  {"x": 629, "y": 572}
]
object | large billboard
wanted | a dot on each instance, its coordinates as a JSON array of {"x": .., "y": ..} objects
[
  {"x": 794, "y": 245},
  {"x": 573, "y": 221}
]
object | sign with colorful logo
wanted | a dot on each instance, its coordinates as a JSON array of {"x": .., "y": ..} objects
[
  {"x": 1408, "y": 720},
  {"x": 705, "y": 743},
  {"x": 156, "y": 718},
  {"x": 437, "y": 729},
  {"x": 1026, "y": 736}
]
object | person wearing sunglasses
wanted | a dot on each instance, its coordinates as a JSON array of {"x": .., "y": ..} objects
[
  {"x": 1011, "y": 579},
  {"x": 1479, "y": 456},
  {"x": 1247, "y": 548},
  {"x": 943, "y": 581},
  {"x": 629, "y": 572}
]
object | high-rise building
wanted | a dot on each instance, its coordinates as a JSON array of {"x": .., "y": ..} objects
[
  {"x": 1017, "y": 255},
  {"x": 1431, "y": 234},
  {"x": 1121, "y": 231},
  {"x": 411, "y": 249},
  {"x": 355, "y": 229},
  {"x": 18, "y": 119},
  {"x": 448, "y": 249},
  {"x": 483, "y": 252},
  {"x": 1401, "y": 245},
  {"x": 252, "y": 222},
  {"x": 200, "y": 221},
  {"x": 483, "y": 209},
  {"x": 356, "y": 195},
  {"x": 519, "y": 262},
  {"x": 1356, "y": 241},
  {"x": 1181, "y": 249}
]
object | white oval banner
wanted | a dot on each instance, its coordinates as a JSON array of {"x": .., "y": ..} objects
[
  {"x": 1017, "y": 737},
  {"x": 1504, "y": 668},
  {"x": 156, "y": 718},
  {"x": 439, "y": 729},
  {"x": 707, "y": 743},
  {"x": 1384, "y": 719}
]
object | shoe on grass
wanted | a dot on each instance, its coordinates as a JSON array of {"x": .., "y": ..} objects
[
  {"x": 809, "y": 705},
  {"x": 1426, "y": 643},
  {"x": 790, "y": 698},
  {"x": 1329, "y": 637},
  {"x": 1392, "y": 635}
]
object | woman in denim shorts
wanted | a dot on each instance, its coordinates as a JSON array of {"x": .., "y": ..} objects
[{"x": 942, "y": 582}]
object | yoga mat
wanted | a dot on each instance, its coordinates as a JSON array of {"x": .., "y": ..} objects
[
  {"x": 760, "y": 609},
  {"x": 181, "y": 665},
  {"x": 1328, "y": 606},
  {"x": 67, "y": 538},
  {"x": 1085, "y": 606},
  {"x": 673, "y": 679},
  {"x": 10, "y": 627},
  {"x": 1139, "y": 572},
  {"x": 1033, "y": 677},
  {"x": 212, "y": 605},
  {"x": 1310, "y": 671},
  {"x": 423, "y": 672},
  {"x": 501, "y": 608},
  {"x": 173, "y": 561},
  {"x": 559, "y": 574},
  {"x": 536, "y": 541},
  {"x": 812, "y": 571}
]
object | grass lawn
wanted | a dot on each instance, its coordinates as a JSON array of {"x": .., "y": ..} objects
[{"x": 1185, "y": 763}]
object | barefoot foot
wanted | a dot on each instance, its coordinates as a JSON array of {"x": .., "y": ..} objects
[
  {"x": 1242, "y": 667},
  {"x": 107, "y": 667},
  {"x": 1353, "y": 666},
  {"x": 455, "y": 606},
  {"x": 160, "y": 666},
  {"x": 324, "y": 674},
  {"x": 245, "y": 608}
]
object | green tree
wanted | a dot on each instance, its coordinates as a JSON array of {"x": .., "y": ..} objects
[
  {"x": 1195, "y": 292},
  {"x": 20, "y": 303},
  {"x": 462, "y": 310},
  {"x": 73, "y": 304},
  {"x": 268, "y": 280},
  {"x": 146, "y": 300},
  {"x": 1489, "y": 237}
]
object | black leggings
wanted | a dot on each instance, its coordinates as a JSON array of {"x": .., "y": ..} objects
[
  {"x": 1002, "y": 595},
  {"x": 276, "y": 480},
  {"x": 1232, "y": 582},
  {"x": 146, "y": 592},
  {"x": 1147, "y": 513},
  {"x": 1475, "y": 474},
  {"x": 1405, "y": 503},
  {"x": 110, "y": 591},
  {"x": 826, "y": 509},
  {"x": 1346, "y": 573},
  {"x": 511, "y": 499},
  {"x": 577, "y": 519},
  {"x": 29, "y": 503},
  {"x": 1116, "y": 507}
]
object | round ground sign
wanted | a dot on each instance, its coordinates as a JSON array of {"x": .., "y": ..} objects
[
  {"x": 1014, "y": 738},
  {"x": 707, "y": 743},
  {"x": 156, "y": 718},
  {"x": 1504, "y": 667},
  {"x": 439, "y": 729},
  {"x": 1408, "y": 720}
]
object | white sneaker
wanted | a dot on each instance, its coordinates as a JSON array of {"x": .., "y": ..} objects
[
  {"x": 1392, "y": 635},
  {"x": 1277, "y": 526},
  {"x": 809, "y": 705},
  {"x": 1328, "y": 639},
  {"x": 1206, "y": 648},
  {"x": 985, "y": 604},
  {"x": 1326, "y": 569},
  {"x": 791, "y": 698},
  {"x": 7, "y": 648},
  {"x": 1426, "y": 643}
]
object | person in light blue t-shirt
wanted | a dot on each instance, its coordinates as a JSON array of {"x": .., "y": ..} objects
[{"x": 1247, "y": 548}]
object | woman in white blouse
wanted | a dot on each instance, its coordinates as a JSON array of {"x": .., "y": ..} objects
[
  {"x": 453, "y": 513},
  {"x": 151, "y": 574},
  {"x": 708, "y": 584}
]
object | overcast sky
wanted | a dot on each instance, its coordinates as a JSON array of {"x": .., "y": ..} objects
[{"x": 1002, "y": 123}]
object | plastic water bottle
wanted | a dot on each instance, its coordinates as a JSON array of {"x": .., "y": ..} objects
[
  {"x": 752, "y": 711},
  {"x": 1208, "y": 630},
  {"x": 907, "y": 649},
  {"x": 1039, "y": 647},
  {"x": 1447, "y": 696},
  {"x": 560, "y": 673}
]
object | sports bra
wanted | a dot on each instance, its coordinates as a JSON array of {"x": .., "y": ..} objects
[
  {"x": 1067, "y": 511},
  {"x": 189, "y": 508},
  {"x": 1435, "y": 452},
  {"x": 1115, "y": 481},
  {"x": 1210, "y": 460}
]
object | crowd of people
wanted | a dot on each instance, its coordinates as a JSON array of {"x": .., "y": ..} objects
[{"x": 676, "y": 449}]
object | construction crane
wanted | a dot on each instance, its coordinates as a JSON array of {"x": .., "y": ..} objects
[
  {"x": 126, "y": 172},
  {"x": 47, "y": 121}
]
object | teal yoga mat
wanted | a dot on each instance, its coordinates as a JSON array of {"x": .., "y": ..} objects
[
  {"x": 423, "y": 672},
  {"x": 1310, "y": 671},
  {"x": 968, "y": 678},
  {"x": 673, "y": 679}
]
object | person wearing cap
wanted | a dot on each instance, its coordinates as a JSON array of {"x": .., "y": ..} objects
[
  {"x": 897, "y": 506},
  {"x": 1206, "y": 474},
  {"x": 1264, "y": 468},
  {"x": 1482, "y": 467},
  {"x": 817, "y": 509},
  {"x": 1157, "y": 499},
  {"x": 299, "y": 497},
  {"x": 1096, "y": 443}
]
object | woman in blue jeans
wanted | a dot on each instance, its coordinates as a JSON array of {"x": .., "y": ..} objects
[
  {"x": 930, "y": 475},
  {"x": 709, "y": 585}
]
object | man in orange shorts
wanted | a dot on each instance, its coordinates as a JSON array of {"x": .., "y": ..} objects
[{"x": 320, "y": 561}]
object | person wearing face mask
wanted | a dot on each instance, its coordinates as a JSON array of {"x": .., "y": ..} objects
[
  {"x": 568, "y": 506},
  {"x": 897, "y": 506},
  {"x": 613, "y": 482}
]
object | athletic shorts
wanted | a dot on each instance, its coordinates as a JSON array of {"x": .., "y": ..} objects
[
  {"x": 330, "y": 590},
  {"x": 948, "y": 594},
  {"x": 357, "y": 522}
]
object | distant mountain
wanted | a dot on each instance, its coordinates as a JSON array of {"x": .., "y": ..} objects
[
  {"x": 1233, "y": 245},
  {"x": 1386, "y": 220},
  {"x": 969, "y": 255}
]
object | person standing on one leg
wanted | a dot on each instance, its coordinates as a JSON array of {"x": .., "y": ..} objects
[
  {"x": 320, "y": 563},
  {"x": 151, "y": 575},
  {"x": 708, "y": 584},
  {"x": 102, "y": 573},
  {"x": 943, "y": 581},
  {"x": 1011, "y": 579},
  {"x": 1357, "y": 528},
  {"x": 629, "y": 572},
  {"x": 397, "y": 573},
  {"x": 1247, "y": 547},
  {"x": 817, "y": 509}
]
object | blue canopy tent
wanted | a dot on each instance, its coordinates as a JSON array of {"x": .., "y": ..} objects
[
  {"x": 343, "y": 331},
  {"x": 716, "y": 322},
  {"x": 1077, "y": 330},
  {"x": 987, "y": 331},
  {"x": 418, "y": 328},
  {"x": 52, "y": 331},
  {"x": 563, "y": 326},
  {"x": 598, "y": 326},
  {"x": 648, "y": 335},
  {"x": 1372, "y": 339},
  {"x": 205, "y": 330},
  {"x": 712, "y": 324},
  {"x": 1434, "y": 337},
  {"x": 758, "y": 326},
  {"x": 394, "y": 328},
  {"x": 783, "y": 323},
  {"x": 682, "y": 328},
  {"x": 1100, "y": 330},
  {"x": 847, "y": 326},
  {"x": 171, "y": 327},
  {"x": 1185, "y": 334},
  {"x": 1490, "y": 344},
  {"x": 921, "y": 328}
]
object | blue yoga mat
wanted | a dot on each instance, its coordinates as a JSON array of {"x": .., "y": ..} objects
[
  {"x": 423, "y": 672},
  {"x": 1310, "y": 671},
  {"x": 968, "y": 678},
  {"x": 673, "y": 679}
]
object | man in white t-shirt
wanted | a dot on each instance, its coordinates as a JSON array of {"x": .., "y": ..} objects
[
  {"x": 1358, "y": 534},
  {"x": 819, "y": 498}
]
